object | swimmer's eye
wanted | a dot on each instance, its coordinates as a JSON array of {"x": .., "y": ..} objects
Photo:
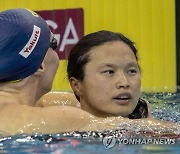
[
  {"x": 132, "y": 71},
  {"x": 53, "y": 44},
  {"x": 108, "y": 72}
]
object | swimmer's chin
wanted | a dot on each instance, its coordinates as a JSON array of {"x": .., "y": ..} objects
[{"x": 123, "y": 115}]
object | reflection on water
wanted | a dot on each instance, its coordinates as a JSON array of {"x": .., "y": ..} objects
[
  {"x": 59, "y": 143},
  {"x": 165, "y": 106}
]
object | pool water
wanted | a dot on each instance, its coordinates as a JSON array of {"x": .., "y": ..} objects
[{"x": 165, "y": 106}]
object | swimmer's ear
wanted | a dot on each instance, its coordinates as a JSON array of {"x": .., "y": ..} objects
[
  {"x": 76, "y": 86},
  {"x": 40, "y": 69}
]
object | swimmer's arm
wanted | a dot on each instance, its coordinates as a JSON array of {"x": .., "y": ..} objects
[
  {"x": 53, "y": 119},
  {"x": 24, "y": 119},
  {"x": 113, "y": 122}
]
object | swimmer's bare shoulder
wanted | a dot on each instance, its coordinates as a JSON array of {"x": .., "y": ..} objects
[
  {"x": 58, "y": 98},
  {"x": 17, "y": 118}
]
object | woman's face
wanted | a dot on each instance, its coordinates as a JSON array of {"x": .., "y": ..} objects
[{"x": 112, "y": 81}]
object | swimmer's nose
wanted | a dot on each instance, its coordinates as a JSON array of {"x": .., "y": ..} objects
[{"x": 122, "y": 81}]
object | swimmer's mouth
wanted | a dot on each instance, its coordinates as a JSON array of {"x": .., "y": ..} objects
[{"x": 123, "y": 96}]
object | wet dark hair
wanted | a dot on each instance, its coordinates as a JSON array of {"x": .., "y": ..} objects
[
  {"x": 141, "y": 110},
  {"x": 79, "y": 57}
]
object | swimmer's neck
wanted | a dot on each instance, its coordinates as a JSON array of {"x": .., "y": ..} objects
[
  {"x": 18, "y": 93},
  {"x": 14, "y": 96}
]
